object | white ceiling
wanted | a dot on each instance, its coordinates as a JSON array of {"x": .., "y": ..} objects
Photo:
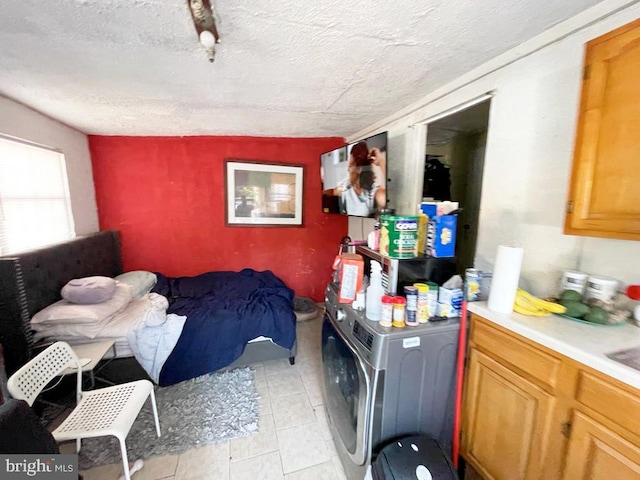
[{"x": 305, "y": 68}]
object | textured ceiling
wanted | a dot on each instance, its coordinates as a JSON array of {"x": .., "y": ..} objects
[{"x": 306, "y": 68}]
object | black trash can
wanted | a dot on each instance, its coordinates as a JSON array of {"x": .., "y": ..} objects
[{"x": 415, "y": 457}]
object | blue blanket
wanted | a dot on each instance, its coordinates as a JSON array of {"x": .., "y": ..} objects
[{"x": 224, "y": 311}]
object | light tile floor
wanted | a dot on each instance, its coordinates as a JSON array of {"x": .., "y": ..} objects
[{"x": 293, "y": 442}]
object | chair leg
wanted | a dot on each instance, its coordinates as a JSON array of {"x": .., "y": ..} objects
[
  {"x": 125, "y": 459},
  {"x": 78, "y": 444},
  {"x": 155, "y": 412}
]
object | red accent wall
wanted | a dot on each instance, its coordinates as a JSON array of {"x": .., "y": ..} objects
[{"x": 166, "y": 197}]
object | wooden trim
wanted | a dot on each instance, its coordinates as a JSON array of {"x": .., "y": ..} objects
[{"x": 614, "y": 33}]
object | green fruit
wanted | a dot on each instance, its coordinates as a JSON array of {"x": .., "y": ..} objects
[
  {"x": 597, "y": 315},
  {"x": 576, "y": 309},
  {"x": 570, "y": 296}
]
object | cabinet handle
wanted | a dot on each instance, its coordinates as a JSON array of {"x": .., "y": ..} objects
[
  {"x": 566, "y": 429},
  {"x": 570, "y": 206}
]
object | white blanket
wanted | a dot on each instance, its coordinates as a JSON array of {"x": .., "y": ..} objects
[{"x": 154, "y": 335}]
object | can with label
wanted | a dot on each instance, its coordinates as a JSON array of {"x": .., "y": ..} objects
[
  {"x": 387, "y": 311},
  {"x": 423, "y": 302},
  {"x": 472, "y": 277},
  {"x": 411, "y": 314},
  {"x": 399, "y": 236},
  {"x": 398, "y": 311}
]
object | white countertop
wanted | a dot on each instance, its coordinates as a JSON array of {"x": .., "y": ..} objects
[{"x": 587, "y": 344}]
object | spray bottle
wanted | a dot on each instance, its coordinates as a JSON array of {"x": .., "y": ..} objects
[{"x": 374, "y": 293}]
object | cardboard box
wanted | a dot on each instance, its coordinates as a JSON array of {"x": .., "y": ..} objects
[
  {"x": 451, "y": 296},
  {"x": 441, "y": 236},
  {"x": 351, "y": 275},
  {"x": 449, "y": 302},
  {"x": 447, "y": 311},
  {"x": 432, "y": 209}
]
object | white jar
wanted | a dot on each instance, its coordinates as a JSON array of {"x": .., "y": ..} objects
[
  {"x": 572, "y": 280},
  {"x": 602, "y": 288}
]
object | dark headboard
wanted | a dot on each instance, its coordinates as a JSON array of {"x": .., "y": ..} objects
[{"x": 29, "y": 281}]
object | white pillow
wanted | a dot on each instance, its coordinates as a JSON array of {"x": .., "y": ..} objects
[
  {"x": 89, "y": 290},
  {"x": 140, "y": 280},
  {"x": 67, "y": 312},
  {"x": 117, "y": 325},
  {"x": 70, "y": 329}
]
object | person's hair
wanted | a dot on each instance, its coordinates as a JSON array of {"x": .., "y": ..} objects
[{"x": 360, "y": 153}]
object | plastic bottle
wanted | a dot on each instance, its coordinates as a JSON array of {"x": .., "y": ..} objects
[
  {"x": 374, "y": 293},
  {"x": 399, "y": 304},
  {"x": 387, "y": 311}
]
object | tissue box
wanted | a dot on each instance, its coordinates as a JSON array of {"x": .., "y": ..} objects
[
  {"x": 351, "y": 274},
  {"x": 449, "y": 302},
  {"x": 451, "y": 296},
  {"x": 447, "y": 311},
  {"x": 441, "y": 236}
]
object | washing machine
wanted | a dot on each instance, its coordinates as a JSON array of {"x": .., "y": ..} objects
[{"x": 383, "y": 383}]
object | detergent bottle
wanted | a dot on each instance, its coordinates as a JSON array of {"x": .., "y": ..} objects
[{"x": 375, "y": 292}]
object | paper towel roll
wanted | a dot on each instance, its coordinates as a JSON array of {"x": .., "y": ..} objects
[{"x": 506, "y": 274}]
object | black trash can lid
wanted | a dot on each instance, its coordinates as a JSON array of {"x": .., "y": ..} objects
[{"x": 414, "y": 457}]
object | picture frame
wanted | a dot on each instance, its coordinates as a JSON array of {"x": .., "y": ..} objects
[{"x": 259, "y": 193}]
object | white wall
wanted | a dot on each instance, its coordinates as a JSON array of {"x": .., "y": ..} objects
[
  {"x": 529, "y": 152},
  {"x": 20, "y": 121}
]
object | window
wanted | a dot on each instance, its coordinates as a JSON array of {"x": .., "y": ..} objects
[{"x": 35, "y": 208}]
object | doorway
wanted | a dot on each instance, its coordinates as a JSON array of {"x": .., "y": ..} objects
[{"x": 453, "y": 168}]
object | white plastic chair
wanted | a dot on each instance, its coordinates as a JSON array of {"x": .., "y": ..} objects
[{"x": 106, "y": 411}]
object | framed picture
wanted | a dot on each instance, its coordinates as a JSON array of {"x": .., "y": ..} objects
[{"x": 263, "y": 193}]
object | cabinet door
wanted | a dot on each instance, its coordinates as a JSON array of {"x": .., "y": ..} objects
[
  {"x": 597, "y": 453},
  {"x": 507, "y": 421},
  {"x": 604, "y": 198}
]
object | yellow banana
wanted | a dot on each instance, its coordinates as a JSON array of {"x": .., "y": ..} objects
[
  {"x": 543, "y": 304},
  {"x": 524, "y": 306},
  {"x": 532, "y": 313}
]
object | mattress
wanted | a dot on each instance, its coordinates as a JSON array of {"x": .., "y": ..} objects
[{"x": 121, "y": 344}]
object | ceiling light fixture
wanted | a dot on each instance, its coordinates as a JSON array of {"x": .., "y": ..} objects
[{"x": 204, "y": 19}]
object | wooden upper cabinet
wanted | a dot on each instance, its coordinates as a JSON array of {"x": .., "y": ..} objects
[{"x": 604, "y": 196}]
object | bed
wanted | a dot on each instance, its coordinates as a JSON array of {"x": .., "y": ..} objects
[{"x": 32, "y": 280}]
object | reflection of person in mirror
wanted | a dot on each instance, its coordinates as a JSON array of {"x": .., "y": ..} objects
[
  {"x": 244, "y": 209},
  {"x": 362, "y": 193},
  {"x": 379, "y": 160}
]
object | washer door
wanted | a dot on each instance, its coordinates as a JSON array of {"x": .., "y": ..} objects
[{"x": 347, "y": 381}]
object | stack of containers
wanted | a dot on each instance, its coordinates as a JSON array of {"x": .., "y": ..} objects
[{"x": 419, "y": 306}]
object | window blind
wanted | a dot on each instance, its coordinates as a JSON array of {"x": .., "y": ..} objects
[{"x": 35, "y": 207}]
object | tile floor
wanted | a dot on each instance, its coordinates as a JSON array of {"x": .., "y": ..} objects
[{"x": 293, "y": 442}]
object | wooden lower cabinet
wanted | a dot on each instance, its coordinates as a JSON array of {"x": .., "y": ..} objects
[
  {"x": 548, "y": 418},
  {"x": 508, "y": 418},
  {"x": 597, "y": 453}
]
